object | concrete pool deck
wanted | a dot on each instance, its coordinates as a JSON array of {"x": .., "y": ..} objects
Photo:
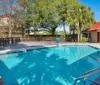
[{"x": 22, "y": 46}]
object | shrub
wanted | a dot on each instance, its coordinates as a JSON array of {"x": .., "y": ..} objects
[
  {"x": 83, "y": 39},
  {"x": 44, "y": 36}
]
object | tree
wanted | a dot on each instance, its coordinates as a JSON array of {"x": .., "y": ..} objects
[
  {"x": 64, "y": 8},
  {"x": 13, "y": 14},
  {"x": 80, "y": 16},
  {"x": 48, "y": 14},
  {"x": 72, "y": 31},
  {"x": 44, "y": 15},
  {"x": 7, "y": 12}
]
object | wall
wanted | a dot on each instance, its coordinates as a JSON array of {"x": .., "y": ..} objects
[
  {"x": 4, "y": 21},
  {"x": 94, "y": 36}
]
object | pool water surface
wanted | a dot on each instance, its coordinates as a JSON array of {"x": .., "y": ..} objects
[{"x": 48, "y": 66}]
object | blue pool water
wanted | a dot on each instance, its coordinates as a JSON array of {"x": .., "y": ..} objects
[{"x": 48, "y": 66}]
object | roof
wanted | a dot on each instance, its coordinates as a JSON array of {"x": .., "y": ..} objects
[{"x": 95, "y": 27}]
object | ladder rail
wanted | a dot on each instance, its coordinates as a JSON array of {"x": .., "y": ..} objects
[
  {"x": 75, "y": 83},
  {"x": 93, "y": 81},
  {"x": 98, "y": 68},
  {"x": 88, "y": 74}
]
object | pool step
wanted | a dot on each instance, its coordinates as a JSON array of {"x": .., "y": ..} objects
[
  {"x": 98, "y": 80},
  {"x": 1, "y": 81}
]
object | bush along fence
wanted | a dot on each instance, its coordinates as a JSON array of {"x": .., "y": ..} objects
[
  {"x": 40, "y": 38},
  {"x": 50, "y": 38},
  {"x": 7, "y": 41}
]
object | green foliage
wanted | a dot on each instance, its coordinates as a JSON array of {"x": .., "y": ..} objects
[
  {"x": 83, "y": 39},
  {"x": 81, "y": 17},
  {"x": 44, "y": 15},
  {"x": 48, "y": 14},
  {"x": 87, "y": 26},
  {"x": 64, "y": 9},
  {"x": 47, "y": 35},
  {"x": 62, "y": 37}
]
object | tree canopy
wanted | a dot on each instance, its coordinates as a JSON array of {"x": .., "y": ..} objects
[
  {"x": 81, "y": 17},
  {"x": 49, "y": 14}
]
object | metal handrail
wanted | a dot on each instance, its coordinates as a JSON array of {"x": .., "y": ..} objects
[
  {"x": 75, "y": 83},
  {"x": 88, "y": 74},
  {"x": 93, "y": 81},
  {"x": 98, "y": 68}
]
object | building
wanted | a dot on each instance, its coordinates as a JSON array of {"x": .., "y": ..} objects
[
  {"x": 4, "y": 27},
  {"x": 94, "y": 33}
]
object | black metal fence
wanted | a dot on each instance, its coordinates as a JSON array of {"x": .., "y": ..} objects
[{"x": 7, "y": 41}]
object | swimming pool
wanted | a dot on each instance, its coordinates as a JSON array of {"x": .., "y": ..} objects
[{"x": 48, "y": 66}]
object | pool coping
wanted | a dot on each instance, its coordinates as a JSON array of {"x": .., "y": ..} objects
[{"x": 7, "y": 51}]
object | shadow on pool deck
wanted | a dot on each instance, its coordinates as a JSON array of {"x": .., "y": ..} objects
[
  {"x": 21, "y": 46},
  {"x": 18, "y": 47},
  {"x": 43, "y": 70},
  {"x": 29, "y": 44}
]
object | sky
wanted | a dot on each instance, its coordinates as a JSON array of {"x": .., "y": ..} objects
[
  {"x": 95, "y": 7},
  {"x": 60, "y": 28}
]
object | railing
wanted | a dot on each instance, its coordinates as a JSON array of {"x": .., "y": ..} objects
[
  {"x": 1, "y": 81},
  {"x": 95, "y": 69},
  {"x": 88, "y": 74},
  {"x": 7, "y": 41}
]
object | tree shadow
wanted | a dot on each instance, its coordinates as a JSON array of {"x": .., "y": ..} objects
[
  {"x": 88, "y": 62},
  {"x": 39, "y": 67},
  {"x": 6, "y": 74},
  {"x": 85, "y": 64}
]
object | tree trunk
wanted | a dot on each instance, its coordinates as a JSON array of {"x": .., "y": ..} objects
[
  {"x": 10, "y": 32},
  {"x": 79, "y": 32},
  {"x": 23, "y": 33},
  {"x": 64, "y": 30},
  {"x": 28, "y": 32},
  {"x": 10, "y": 19},
  {"x": 53, "y": 31},
  {"x": 78, "y": 36},
  {"x": 74, "y": 35}
]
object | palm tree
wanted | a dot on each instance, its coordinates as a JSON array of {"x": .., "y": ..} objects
[
  {"x": 64, "y": 10},
  {"x": 72, "y": 30},
  {"x": 81, "y": 16}
]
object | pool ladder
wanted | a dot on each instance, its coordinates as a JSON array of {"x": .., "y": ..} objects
[{"x": 88, "y": 74}]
